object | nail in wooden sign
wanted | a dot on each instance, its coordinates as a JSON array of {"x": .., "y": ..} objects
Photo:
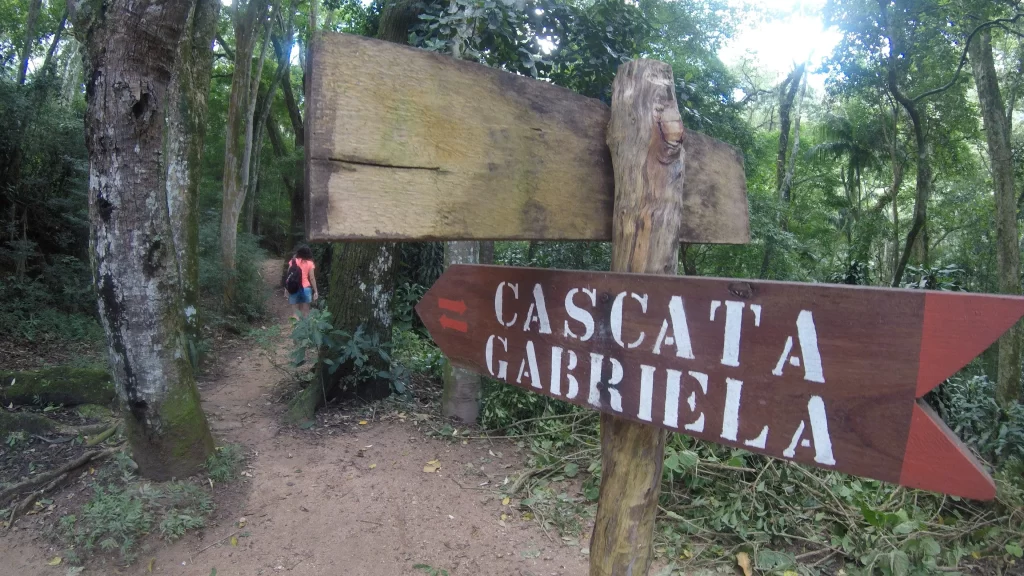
[
  {"x": 825, "y": 375},
  {"x": 408, "y": 144}
]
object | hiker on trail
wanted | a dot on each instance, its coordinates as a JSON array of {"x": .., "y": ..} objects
[{"x": 300, "y": 283}]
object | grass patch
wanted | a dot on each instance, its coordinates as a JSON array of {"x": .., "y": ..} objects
[
  {"x": 123, "y": 510},
  {"x": 225, "y": 463}
]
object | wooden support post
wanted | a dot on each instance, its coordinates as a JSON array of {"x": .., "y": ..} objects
[
  {"x": 461, "y": 397},
  {"x": 645, "y": 136}
]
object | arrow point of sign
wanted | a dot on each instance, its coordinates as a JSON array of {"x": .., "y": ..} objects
[
  {"x": 958, "y": 327},
  {"x": 936, "y": 460}
]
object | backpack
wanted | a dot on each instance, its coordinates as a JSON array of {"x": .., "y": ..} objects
[{"x": 293, "y": 281}]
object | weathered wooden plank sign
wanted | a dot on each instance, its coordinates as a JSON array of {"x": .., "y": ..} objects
[
  {"x": 409, "y": 144},
  {"x": 825, "y": 375}
]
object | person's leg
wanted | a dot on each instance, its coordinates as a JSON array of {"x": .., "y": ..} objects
[
  {"x": 307, "y": 297},
  {"x": 295, "y": 300}
]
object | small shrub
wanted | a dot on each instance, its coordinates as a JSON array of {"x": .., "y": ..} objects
[
  {"x": 967, "y": 404},
  {"x": 316, "y": 336},
  {"x": 225, "y": 463},
  {"x": 417, "y": 353}
]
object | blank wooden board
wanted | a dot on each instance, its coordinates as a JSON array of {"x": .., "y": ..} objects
[{"x": 409, "y": 144}]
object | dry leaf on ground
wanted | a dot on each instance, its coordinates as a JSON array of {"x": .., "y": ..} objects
[
  {"x": 743, "y": 560},
  {"x": 432, "y": 466}
]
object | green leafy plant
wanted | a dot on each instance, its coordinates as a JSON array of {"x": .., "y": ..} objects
[
  {"x": 315, "y": 336},
  {"x": 225, "y": 463},
  {"x": 430, "y": 570}
]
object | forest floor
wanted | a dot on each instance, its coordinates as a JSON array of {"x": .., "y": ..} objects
[{"x": 349, "y": 496}]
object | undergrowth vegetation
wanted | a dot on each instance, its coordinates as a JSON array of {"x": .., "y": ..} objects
[
  {"x": 123, "y": 510},
  {"x": 717, "y": 502}
]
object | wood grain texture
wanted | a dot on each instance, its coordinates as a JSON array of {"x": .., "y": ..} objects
[
  {"x": 645, "y": 137},
  {"x": 405, "y": 143},
  {"x": 874, "y": 347}
]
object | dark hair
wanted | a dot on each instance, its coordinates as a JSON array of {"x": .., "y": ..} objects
[{"x": 304, "y": 253}]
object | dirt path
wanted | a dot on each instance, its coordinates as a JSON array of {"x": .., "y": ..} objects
[{"x": 350, "y": 499}]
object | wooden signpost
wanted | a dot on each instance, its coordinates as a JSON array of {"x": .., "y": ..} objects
[
  {"x": 829, "y": 376},
  {"x": 408, "y": 144}
]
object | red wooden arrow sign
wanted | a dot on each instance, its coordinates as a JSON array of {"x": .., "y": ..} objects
[{"x": 825, "y": 375}]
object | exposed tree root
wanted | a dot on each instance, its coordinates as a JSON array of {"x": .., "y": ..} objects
[
  {"x": 37, "y": 424},
  {"x": 102, "y": 436},
  {"x": 50, "y": 479}
]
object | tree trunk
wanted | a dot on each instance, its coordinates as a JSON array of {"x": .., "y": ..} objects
[
  {"x": 132, "y": 48},
  {"x": 461, "y": 397},
  {"x": 361, "y": 285},
  {"x": 186, "y": 128},
  {"x": 645, "y": 135},
  {"x": 362, "y": 277},
  {"x": 48, "y": 61},
  {"x": 787, "y": 94},
  {"x": 487, "y": 251},
  {"x": 30, "y": 39},
  {"x": 924, "y": 183},
  {"x": 238, "y": 134},
  {"x": 997, "y": 133}
]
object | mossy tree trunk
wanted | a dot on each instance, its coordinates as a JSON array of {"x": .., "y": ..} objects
[
  {"x": 186, "y": 128},
  {"x": 1000, "y": 153},
  {"x": 246, "y": 16},
  {"x": 362, "y": 280},
  {"x": 362, "y": 277},
  {"x": 132, "y": 50}
]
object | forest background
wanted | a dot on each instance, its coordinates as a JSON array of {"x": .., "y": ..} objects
[{"x": 901, "y": 168}]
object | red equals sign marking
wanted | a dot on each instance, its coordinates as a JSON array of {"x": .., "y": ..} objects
[{"x": 456, "y": 306}]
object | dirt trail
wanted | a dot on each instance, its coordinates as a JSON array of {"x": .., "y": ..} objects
[{"x": 315, "y": 507}]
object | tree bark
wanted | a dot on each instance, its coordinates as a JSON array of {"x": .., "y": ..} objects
[
  {"x": 48, "y": 61},
  {"x": 132, "y": 50},
  {"x": 30, "y": 38},
  {"x": 186, "y": 128},
  {"x": 997, "y": 135},
  {"x": 787, "y": 94},
  {"x": 645, "y": 135},
  {"x": 362, "y": 277},
  {"x": 461, "y": 396},
  {"x": 924, "y": 168},
  {"x": 487, "y": 251},
  {"x": 362, "y": 282},
  {"x": 246, "y": 15}
]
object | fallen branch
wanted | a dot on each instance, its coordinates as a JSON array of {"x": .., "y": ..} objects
[{"x": 45, "y": 477}]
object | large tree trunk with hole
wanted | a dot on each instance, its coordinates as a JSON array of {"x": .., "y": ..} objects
[
  {"x": 132, "y": 52},
  {"x": 997, "y": 134},
  {"x": 238, "y": 134},
  {"x": 461, "y": 396},
  {"x": 186, "y": 128},
  {"x": 645, "y": 134}
]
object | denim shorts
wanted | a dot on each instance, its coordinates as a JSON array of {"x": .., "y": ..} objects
[{"x": 304, "y": 296}]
